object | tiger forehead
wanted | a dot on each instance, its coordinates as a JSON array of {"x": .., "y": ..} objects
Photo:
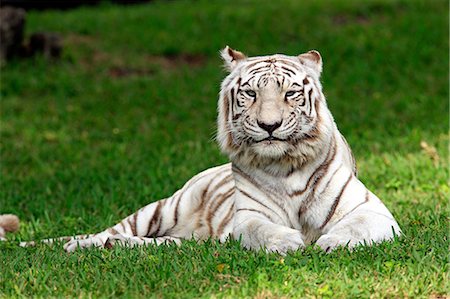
[
  {"x": 272, "y": 66},
  {"x": 276, "y": 60},
  {"x": 280, "y": 71}
]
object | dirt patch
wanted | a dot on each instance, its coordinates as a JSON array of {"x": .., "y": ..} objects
[
  {"x": 366, "y": 15},
  {"x": 117, "y": 66},
  {"x": 175, "y": 60},
  {"x": 165, "y": 62},
  {"x": 78, "y": 39},
  {"x": 342, "y": 19},
  {"x": 122, "y": 72}
]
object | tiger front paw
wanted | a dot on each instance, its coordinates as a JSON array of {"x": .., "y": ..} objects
[
  {"x": 283, "y": 242},
  {"x": 329, "y": 242},
  {"x": 74, "y": 244}
]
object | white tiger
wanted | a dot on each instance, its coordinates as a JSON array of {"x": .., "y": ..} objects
[{"x": 292, "y": 177}]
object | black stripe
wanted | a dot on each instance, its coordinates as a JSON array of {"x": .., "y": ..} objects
[
  {"x": 290, "y": 124},
  {"x": 246, "y": 83},
  {"x": 226, "y": 220},
  {"x": 223, "y": 197},
  {"x": 176, "y": 213},
  {"x": 123, "y": 227},
  {"x": 260, "y": 70},
  {"x": 311, "y": 196},
  {"x": 287, "y": 69},
  {"x": 154, "y": 219},
  {"x": 331, "y": 178},
  {"x": 320, "y": 170},
  {"x": 205, "y": 192},
  {"x": 134, "y": 224},
  {"x": 335, "y": 203},
  {"x": 130, "y": 223},
  {"x": 287, "y": 74},
  {"x": 254, "y": 199},
  {"x": 310, "y": 101},
  {"x": 264, "y": 205},
  {"x": 248, "y": 67},
  {"x": 232, "y": 95},
  {"x": 250, "y": 179},
  {"x": 213, "y": 210},
  {"x": 220, "y": 184},
  {"x": 366, "y": 200},
  {"x": 255, "y": 211},
  {"x": 290, "y": 63}
]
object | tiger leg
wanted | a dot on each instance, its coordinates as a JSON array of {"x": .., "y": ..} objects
[
  {"x": 120, "y": 240},
  {"x": 174, "y": 218},
  {"x": 368, "y": 223},
  {"x": 51, "y": 241},
  {"x": 257, "y": 231},
  {"x": 149, "y": 222},
  {"x": 146, "y": 221}
]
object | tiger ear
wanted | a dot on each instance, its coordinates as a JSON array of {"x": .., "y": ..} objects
[
  {"x": 312, "y": 59},
  {"x": 231, "y": 57}
]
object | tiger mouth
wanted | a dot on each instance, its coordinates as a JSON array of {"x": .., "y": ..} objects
[{"x": 270, "y": 139}]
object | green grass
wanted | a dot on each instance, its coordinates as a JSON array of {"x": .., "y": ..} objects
[{"x": 128, "y": 115}]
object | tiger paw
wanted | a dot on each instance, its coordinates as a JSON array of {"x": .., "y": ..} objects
[
  {"x": 283, "y": 242},
  {"x": 330, "y": 242},
  {"x": 120, "y": 240},
  {"x": 75, "y": 244}
]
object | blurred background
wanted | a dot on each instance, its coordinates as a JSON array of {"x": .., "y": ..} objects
[{"x": 112, "y": 105}]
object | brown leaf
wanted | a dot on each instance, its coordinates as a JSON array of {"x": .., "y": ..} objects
[{"x": 430, "y": 151}]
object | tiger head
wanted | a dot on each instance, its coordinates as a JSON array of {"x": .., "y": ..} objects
[{"x": 271, "y": 108}]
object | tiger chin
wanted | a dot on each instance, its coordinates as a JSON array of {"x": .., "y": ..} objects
[{"x": 292, "y": 179}]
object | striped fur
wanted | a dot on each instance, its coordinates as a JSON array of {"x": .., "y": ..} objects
[{"x": 292, "y": 178}]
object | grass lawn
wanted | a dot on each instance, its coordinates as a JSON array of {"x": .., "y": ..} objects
[{"x": 128, "y": 115}]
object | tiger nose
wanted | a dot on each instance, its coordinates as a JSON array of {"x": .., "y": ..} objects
[{"x": 269, "y": 127}]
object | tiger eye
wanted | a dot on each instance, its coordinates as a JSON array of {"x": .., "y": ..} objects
[{"x": 251, "y": 93}]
